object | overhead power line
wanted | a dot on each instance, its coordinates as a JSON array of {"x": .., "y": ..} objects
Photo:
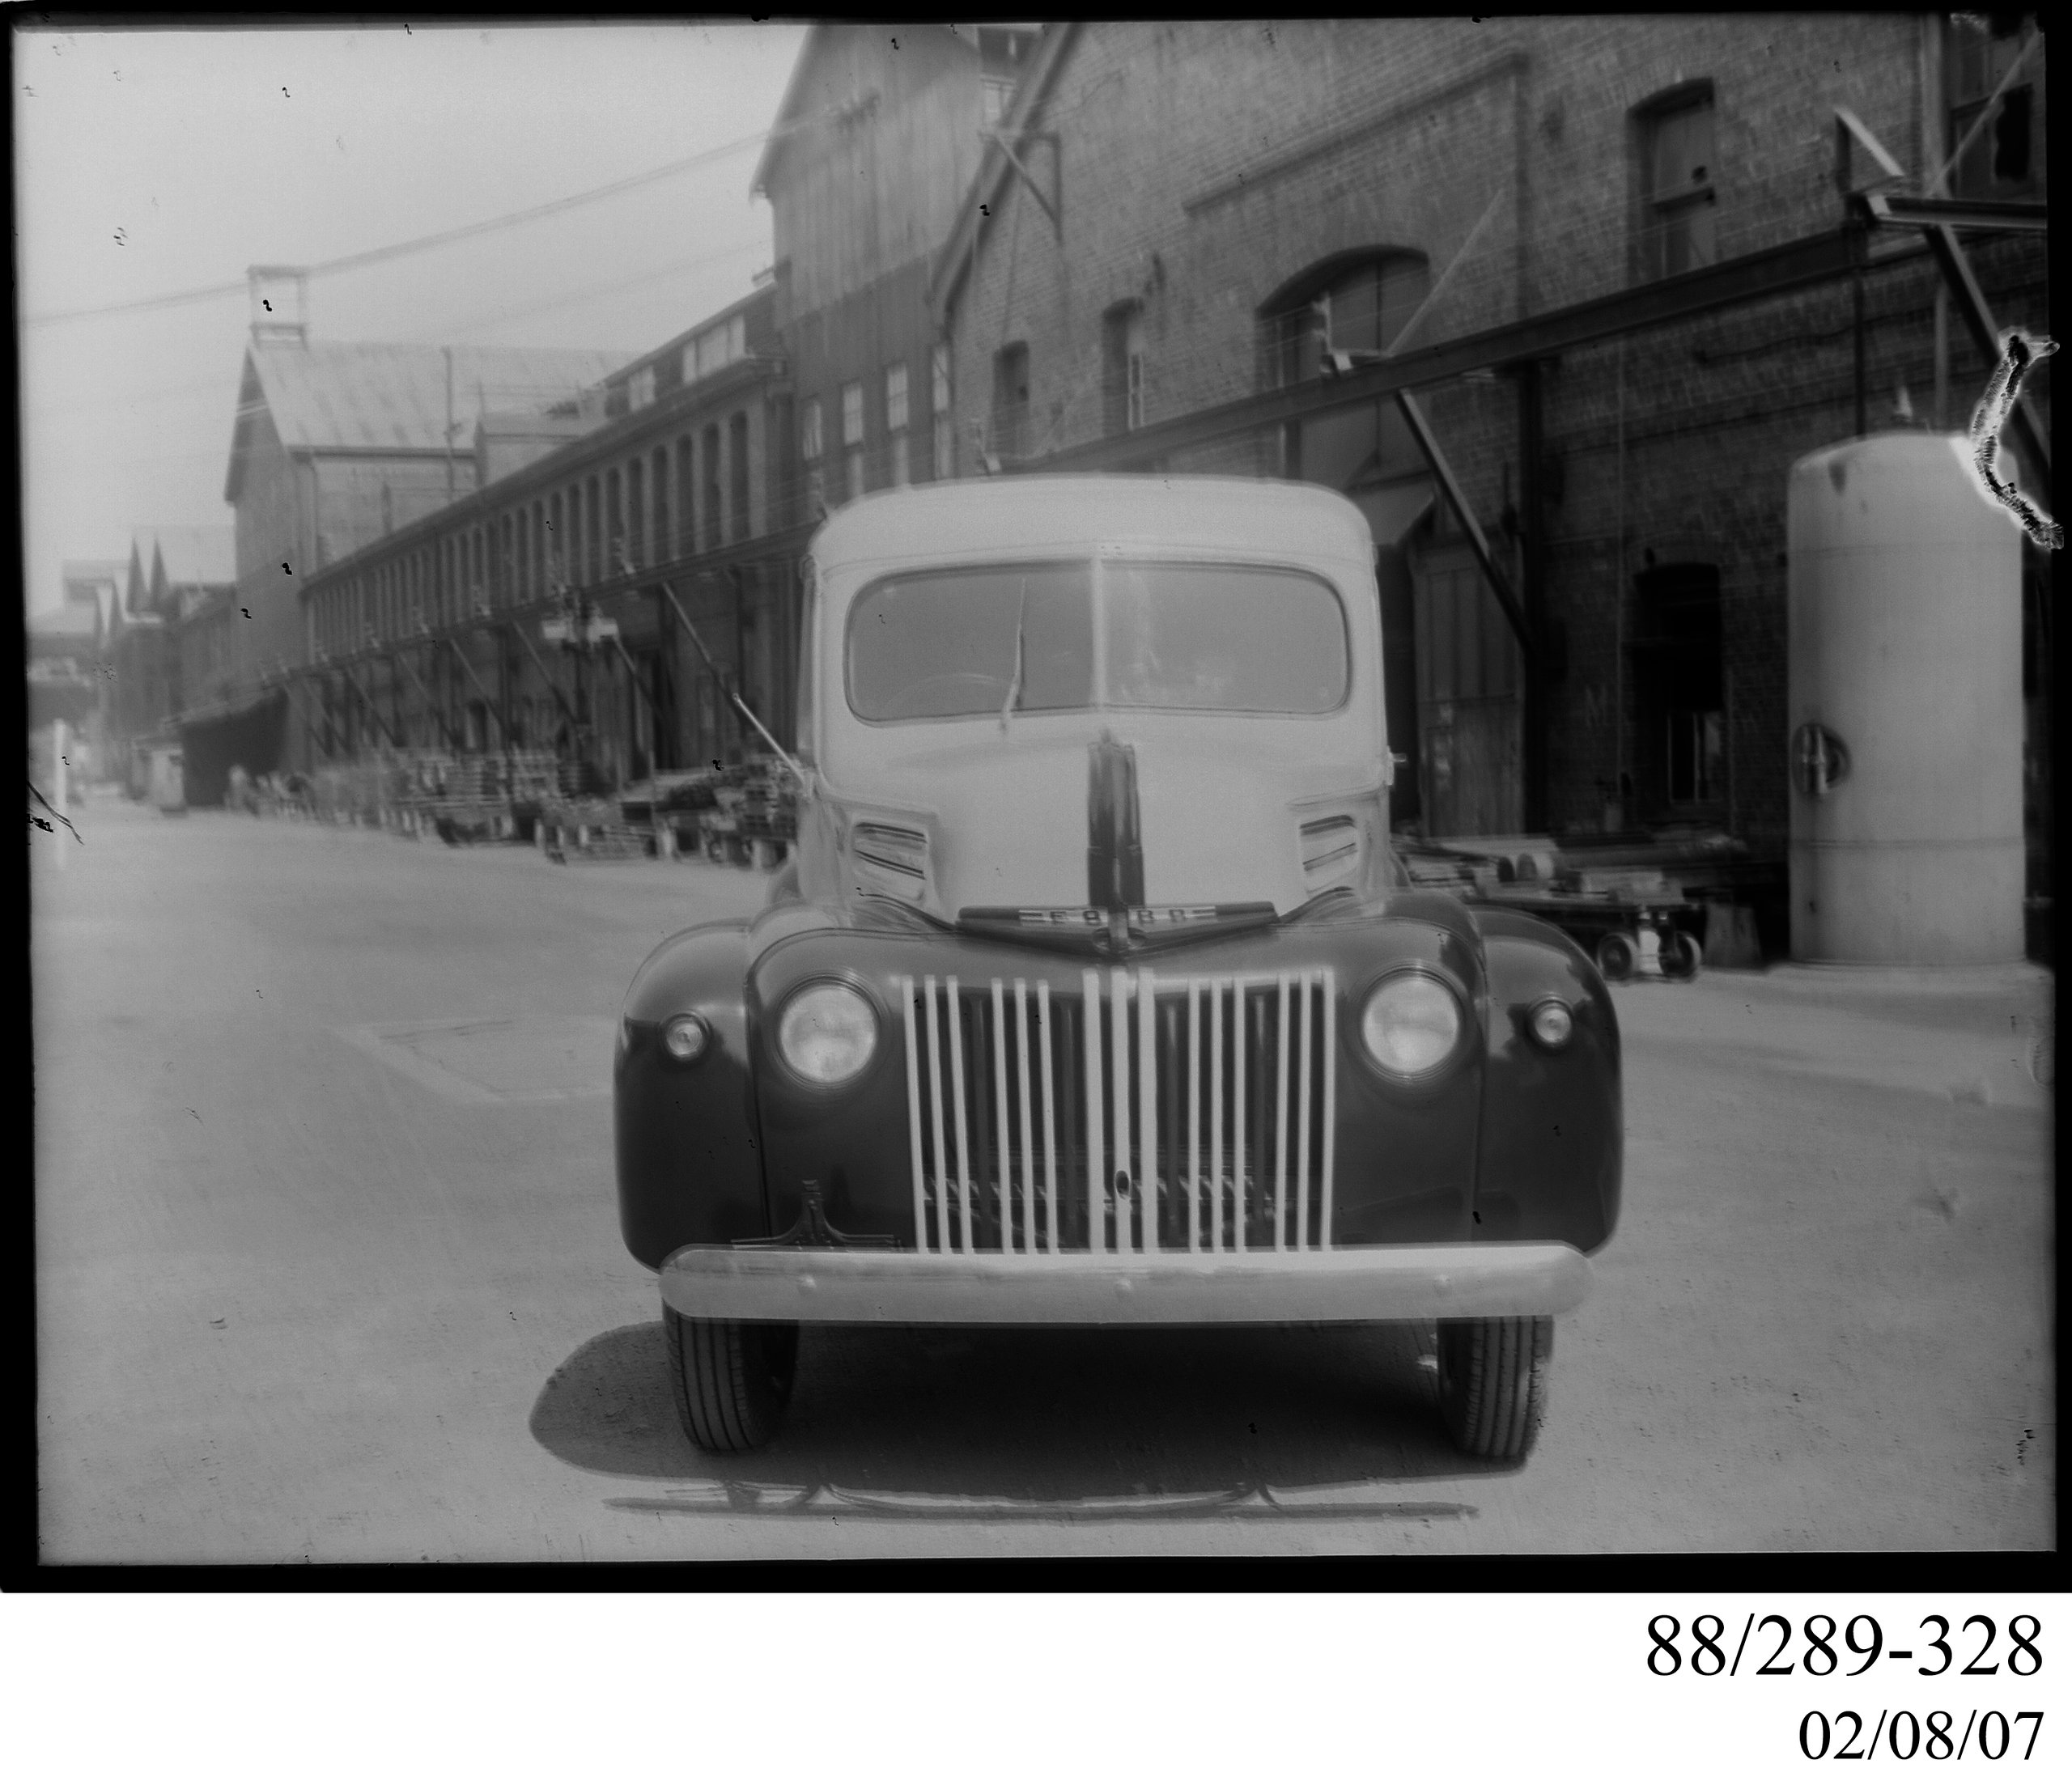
[{"x": 423, "y": 244}]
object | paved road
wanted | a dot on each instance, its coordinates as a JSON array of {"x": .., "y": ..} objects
[{"x": 329, "y": 1267}]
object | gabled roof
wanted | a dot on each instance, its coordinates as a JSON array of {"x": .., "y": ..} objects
[
  {"x": 74, "y": 622},
  {"x": 792, "y": 109},
  {"x": 195, "y": 557},
  {"x": 344, "y": 396}
]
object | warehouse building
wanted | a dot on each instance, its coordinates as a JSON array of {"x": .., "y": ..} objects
[
  {"x": 1200, "y": 246},
  {"x": 545, "y": 610}
]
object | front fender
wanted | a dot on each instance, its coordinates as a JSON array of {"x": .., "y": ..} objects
[
  {"x": 689, "y": 1149},
  {"x": 1552, "y": 1147}
]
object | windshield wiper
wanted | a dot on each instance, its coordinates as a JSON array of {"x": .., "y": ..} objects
[{"x": 1014, "y": 686}]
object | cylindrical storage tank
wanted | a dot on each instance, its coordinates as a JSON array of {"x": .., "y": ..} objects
[{"x": 1905, "y": 695}]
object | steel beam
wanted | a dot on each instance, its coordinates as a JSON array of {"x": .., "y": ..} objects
[
  {"x": 1815, "y": 259},
  {"x": 1421, "y": 430},
  {"x": 1899, "y": 211}
]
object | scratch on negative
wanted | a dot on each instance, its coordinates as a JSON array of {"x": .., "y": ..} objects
[{"x": 2018, "y": 351}]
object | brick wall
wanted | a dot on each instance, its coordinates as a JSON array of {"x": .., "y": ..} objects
[{"x": 1200, "y": 167}]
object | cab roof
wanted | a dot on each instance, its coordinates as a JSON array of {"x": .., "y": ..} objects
[{"x": 995, "y": 516}]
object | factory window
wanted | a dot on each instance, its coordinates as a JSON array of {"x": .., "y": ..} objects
[
  {"x": 1122, "y": 367},
  {"x": 737, "y": 473},
  {"x": 709, "y": 486},
  {"x": 614, "y": 524},
  {"x": 1010, "y": 429},
  {"x": 1354, "y": 305},
  {"x": 1340, "y": 314},
  {"x": 658, "y": 480},
  {"x": 640, "y": 388},
  {"x": 853, "y": 441},
  {"x": 636, "y": 512},
  {"x": 539, "y": 576},
  {"x": 507, "y": 561},
  {"x": 945, "y": 466},
  {"x": 553, "y": 546},
  {"x": 895, "y": 425},
  {"x": 811, "y": 445},
  {"x": 1679, "y": 680},
  {"x": 593, "y": 530},
  {"x": 686, "y": 530},
  {"x": 1674, "y": 141},
  {"x": 1989, "y": 83}
]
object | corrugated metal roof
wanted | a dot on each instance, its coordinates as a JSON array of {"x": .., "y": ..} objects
[
  {"x": 72, "y": 620},
  {"x": 197, "y": 556},
  {"x": 344, "y": 395},
  {"x": 92, "y": 571}
]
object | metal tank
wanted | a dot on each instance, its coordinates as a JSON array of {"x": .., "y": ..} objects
[{"x": 1904, "y": 698}]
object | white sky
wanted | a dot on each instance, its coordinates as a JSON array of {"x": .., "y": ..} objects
[{"x": 153, "y": 161}]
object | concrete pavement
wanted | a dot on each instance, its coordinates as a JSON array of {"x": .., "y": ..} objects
[{"x": 327, "y": 1267}]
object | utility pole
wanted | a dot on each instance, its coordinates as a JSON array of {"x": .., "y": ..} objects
[
  {"x": 1532, "y": 520},
  {"x": 448, "y": 352}
]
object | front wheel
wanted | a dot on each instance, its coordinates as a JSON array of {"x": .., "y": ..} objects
[
  {"x": 1492, "y": 1383},
  {"x": 732, "y": 1382}
]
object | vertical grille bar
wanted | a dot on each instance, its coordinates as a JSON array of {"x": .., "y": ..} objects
[
  {"x": 913, "y": 1118},
  {"x": 1003, "y": 1177},
  {"x": 1194, "y": 1117},
  {"x": 1097, "y": 1240},
  {"x": 1119, "y": 1039},
  {"x": 1239, "y": 1100},
  {"x": 935, "y": 1105},
  {"x": 1280, "y": 1122},
  {"x": 1302, "y": 1114},
  {"x": 1147, "y": 1093},
  {"x": 1050, "y": 1111},
  {"x": 1330, "y": 1067},
  {"x": 960, "y": 1117},
  {"x": 1028, "y": 1146},
  {"x": 1216, "y": 1115}
]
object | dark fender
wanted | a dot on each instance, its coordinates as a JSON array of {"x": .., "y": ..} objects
[
  {"x": 1553, "y": 1128},
  {"x": 688, "y": 1145}
]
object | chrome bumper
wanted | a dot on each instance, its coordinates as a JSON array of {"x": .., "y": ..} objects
[{"x": 1381, "y": 1285}]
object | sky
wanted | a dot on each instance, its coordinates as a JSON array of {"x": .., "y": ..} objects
[{"x": 150, "y": 163}]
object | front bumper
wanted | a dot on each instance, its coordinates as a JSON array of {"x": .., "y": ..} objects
[{"x": 1383, "y": 1284}]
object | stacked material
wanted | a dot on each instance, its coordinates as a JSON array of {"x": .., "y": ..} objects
[{"x": 590, "y": 828}]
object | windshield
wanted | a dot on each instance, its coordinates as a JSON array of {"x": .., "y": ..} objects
[{"x": 983, "y": 641}]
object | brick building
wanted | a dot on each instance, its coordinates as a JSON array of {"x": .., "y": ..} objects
[
  {"x": 337, "y": 445},
  {"x": 65, "y": 656},
  {"x": 1634, "y": 224},
  {"x": 666, "y": 473},
  {"x": 179, "y": 594},
  {"x": 875, "y": 142}
]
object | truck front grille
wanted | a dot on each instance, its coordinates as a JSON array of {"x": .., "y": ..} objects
[{"x": 1144, "y": 1114}]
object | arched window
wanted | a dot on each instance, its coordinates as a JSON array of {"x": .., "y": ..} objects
[
  {"x": 1356, "y": 302},
  {"x": 1353, "y": 307}
]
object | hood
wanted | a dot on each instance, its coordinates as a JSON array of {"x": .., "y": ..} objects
[{"x": 1133, "y": 812}]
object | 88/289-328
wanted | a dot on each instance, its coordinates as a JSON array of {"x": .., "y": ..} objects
[{"x": 1771, "y": 1647}]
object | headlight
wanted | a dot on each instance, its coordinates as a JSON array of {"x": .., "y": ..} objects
[
  {"x": 1410, "y": 1024},
  {"x": 828, "y": 1033},
  {"x": 684, "y": 1038},
  {"x": 1552, "y": 1024}
]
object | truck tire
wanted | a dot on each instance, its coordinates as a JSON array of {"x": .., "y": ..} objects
[
  {"x": 732, "y": 1382},
  {"x": 1492, "y": 1383}
]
